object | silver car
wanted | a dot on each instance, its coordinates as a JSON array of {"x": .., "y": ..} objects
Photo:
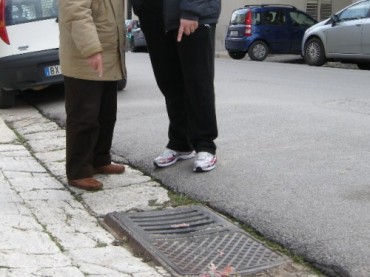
[
  {"x": 344, "y": 37},
  {"x": 135, "y": 36}
]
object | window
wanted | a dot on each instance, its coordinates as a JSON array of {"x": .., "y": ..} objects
[
  {"x": 319, "y": 9},
  {"x": 355, "y": 12},
  {"x": 279, "y": 18},
  {"x": 300, "y": 19},
  {"x": 238, "y": 17},
  {"x": 22, "y": 11},
  {"x": 267, "y": 18},
  {"x": 257, "y": 18},
  {"x": 325, "y": 9}
]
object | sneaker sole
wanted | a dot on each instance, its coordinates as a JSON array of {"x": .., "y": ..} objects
[
  {"x": 181, "y": 157},
  {"x": 199, "y": 169}
]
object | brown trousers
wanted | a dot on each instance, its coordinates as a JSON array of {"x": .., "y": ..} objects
[{"x": 91, "y": 108}]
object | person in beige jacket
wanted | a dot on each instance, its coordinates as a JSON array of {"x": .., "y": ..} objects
[{"x": 92, "y": 61}]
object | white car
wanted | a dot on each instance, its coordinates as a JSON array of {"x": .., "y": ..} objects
[
  {"x": 344, "y": 37},
  {"x": 29, "y": 47},
  {"x": 29, "y": 42}
]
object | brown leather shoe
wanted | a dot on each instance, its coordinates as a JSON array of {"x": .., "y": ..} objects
[
  {"x": 110, "y": 169},
  {"x": 86, "y": 184}
]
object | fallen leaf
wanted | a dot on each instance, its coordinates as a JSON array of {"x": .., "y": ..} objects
[{"x": 182, "y": 225}]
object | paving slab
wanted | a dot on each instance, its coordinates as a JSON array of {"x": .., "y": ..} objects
[
  {"x": 145, "y": 196},
  {"x": 6, "y": 134}
]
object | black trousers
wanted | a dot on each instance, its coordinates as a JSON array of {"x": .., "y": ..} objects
[
  {"x": 185, "y": 75},
  {"x": 91, "y": 108}
]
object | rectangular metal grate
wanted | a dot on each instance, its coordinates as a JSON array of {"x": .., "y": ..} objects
[{"x": 187, "y": 240}]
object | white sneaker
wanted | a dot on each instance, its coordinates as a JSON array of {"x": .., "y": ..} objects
[
  {"x": 204, "y": 161},
  {"x": 169, "y": 157}
]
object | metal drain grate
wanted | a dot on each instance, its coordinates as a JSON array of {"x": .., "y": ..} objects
[{"x": 187, "y": 240}]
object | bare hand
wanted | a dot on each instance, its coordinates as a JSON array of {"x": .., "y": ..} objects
[
  {"x": 96, "y": 63},
  {"x": 188, "y": 27}
]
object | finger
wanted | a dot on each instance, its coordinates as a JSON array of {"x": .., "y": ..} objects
[
  {"x": 180, "y": 33},
  {"x": 100, "y": 69}
]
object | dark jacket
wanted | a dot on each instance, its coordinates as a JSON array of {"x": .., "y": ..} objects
[
  {"x": 140, "y": 5},
  {"x": 204, "y": 11}
]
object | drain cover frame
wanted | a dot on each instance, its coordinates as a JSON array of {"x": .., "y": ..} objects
[{"x": 186, "y": 240}]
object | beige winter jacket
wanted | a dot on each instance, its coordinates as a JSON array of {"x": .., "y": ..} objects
[{"x": 86, "y": 28}]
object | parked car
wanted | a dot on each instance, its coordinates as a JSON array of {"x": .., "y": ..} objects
[
  {"x": 262, "y": 29},
  {"x": 344, "y": 37},
  {"x": 29, "y": 47},
  {"x": 135, "y": 36}
]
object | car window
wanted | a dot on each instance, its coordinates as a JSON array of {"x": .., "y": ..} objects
[
  {"x": 268, "y": 18},
  {"x": 273, "y": 17},
  {"x": 256, "y": 18},
  {"x": 22, "y": 11},
  {"x": 360, "y": 10},
  {"x": 279, "y": 18},
  {"x": 238, "y": 17},
  {"x": 301, "y": 19}
]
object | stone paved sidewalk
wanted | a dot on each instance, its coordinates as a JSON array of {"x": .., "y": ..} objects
[{"x": 49, "y": 229}]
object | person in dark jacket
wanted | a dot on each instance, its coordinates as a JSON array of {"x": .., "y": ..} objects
[{"x": 180, "y": 36}]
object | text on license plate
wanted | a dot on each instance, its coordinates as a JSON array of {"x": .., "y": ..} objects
[
  {"x": 234, "y": 33},
  {"x": 52, "y": 70}
]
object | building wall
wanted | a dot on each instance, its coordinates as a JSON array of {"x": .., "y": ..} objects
[{"x": 229, "y": 5}]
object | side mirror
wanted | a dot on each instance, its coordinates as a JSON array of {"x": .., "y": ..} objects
[{"x": 334, "y": 19}]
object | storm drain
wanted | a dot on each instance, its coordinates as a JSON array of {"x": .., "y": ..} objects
[{"x": 190, "y": 240}]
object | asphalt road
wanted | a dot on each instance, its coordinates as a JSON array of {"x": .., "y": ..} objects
[{"x": 293, "y": 152}]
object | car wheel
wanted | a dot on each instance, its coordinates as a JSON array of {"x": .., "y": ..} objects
[
  {"x": 364, "y": 66},
  {"x": 237, "y": 55},
  {"x": 7, "y": 99},
  {"x": 258, "y": 51},
  {"x": 314, "y": 52},
  {"x": 121, "y": 84}
]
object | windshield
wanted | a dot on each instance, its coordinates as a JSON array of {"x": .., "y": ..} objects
[
  {"x": 22, "y": 11},
  {"x": 361, "y": 10}
]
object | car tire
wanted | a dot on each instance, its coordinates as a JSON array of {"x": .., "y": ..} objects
[
  {"x": 7, "y": 99},
  {"x": 364, "y": 66},
  {"x": 121, "y": 84},
  {"x": 314, "y": 52},
  {"x": 237, "y": 55},
  {"x": 258, "y": 51}
]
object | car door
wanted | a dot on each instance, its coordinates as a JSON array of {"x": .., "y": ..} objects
[
  {"x": 276, "y": 34},
  {"x": 299, "y": 22},
  {"x": 365, "y": 40},
  {"x": 345, "y": 35},
  {"x": 366, "y": 37}
]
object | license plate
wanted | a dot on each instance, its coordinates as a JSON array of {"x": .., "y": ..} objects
[
  {"x": 52, "y": 70},
  {"x": 234, "y": 33}
]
